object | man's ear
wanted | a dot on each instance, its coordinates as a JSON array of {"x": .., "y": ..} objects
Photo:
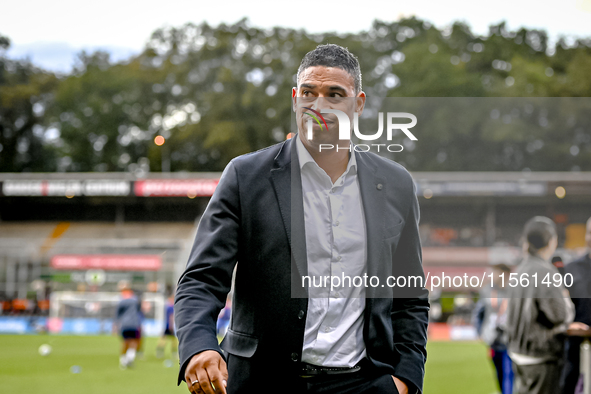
[
  {"x": 293, "y": 98},
  {"x": 360, "y": 103}
]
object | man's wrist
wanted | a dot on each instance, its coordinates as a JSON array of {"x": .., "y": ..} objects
[{"x": 408, "y": 387}]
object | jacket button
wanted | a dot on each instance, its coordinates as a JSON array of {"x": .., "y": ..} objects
[
  {"x": 294, "y": 357},
  {"x": 301, "y": 315},
  {"x": 379, "y": 186}
]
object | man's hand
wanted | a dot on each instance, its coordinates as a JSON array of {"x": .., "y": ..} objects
[
  {"x": 578, "y": 326},
  {"x": 400, "y": 385},
  {"x": 207, "y": 373}
]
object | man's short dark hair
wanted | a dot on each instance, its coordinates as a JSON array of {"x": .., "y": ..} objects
[
  {"x": 332, "y": 55},
  {"x": 538, "y": 232}
]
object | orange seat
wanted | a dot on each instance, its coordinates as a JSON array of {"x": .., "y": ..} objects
[
  {"x": 43, "y": 305},
  {"x": 20, "y": 304}
]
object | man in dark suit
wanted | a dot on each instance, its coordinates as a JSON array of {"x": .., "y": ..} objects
[
  {"x": 580, "y": 292},
  {"x": 291, "y": 211}
]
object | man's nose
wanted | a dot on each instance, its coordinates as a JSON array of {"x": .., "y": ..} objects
[{"x": 319, "y": 103}]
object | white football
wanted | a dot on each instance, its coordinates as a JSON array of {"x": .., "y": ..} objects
[{"x": 44, "y": 350}]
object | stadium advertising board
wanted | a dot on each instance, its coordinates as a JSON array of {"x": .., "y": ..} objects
[
  {"x": 104, "y": 187},
  {"x": 107, "y": 262},
  {"x": 175, "y": 188},
  {"x": 91, "y": 187}
]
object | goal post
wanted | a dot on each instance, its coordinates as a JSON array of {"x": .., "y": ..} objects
[{"x": 94, "y": 312}]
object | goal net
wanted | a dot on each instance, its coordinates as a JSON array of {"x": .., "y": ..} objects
[{"x": 93, "y": 313}]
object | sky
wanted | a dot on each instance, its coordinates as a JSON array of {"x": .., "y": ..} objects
[{"x": 50, "y": 33}]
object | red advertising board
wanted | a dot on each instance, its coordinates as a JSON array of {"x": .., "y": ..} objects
[
  {"x": 113, "y": 262},
  {"x": 175, "y": 187},
  {"x": 64, "y": 187}
]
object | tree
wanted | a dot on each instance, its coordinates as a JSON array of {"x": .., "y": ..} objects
[
  {"x": 102, "y": 112},
  {"x": 217, "y": 92},
  {"x": 25, "y": 92}
]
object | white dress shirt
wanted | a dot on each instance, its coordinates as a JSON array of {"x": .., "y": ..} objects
[{"x": 336, "y": 245}]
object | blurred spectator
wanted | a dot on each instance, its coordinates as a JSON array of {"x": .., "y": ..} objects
[
  {"x": 537, "y": 314},
  {"x": 144, "y": 310},
  {"x": 490, "y": 313},
  {"x": 580, "y": 269},
  {"x": 224, "y": 318},
  {"x": 169, "y": 331},
  {"x": 128, "y": 321},
  {"x": 559, "y": 264}
]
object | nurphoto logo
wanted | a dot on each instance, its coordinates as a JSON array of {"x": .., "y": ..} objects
[{"x": 345, "y": 128}]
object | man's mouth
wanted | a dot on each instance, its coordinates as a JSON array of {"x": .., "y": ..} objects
[
  {"x": 317, "y": 116},
  {"x": 325, "y": 120}
]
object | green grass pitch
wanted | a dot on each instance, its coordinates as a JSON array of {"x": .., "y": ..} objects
[{"x": 452, "y": 367}]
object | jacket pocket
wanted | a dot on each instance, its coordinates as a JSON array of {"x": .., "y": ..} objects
[
  {"x": 394, "y": 230},
  {"x": 239, "y": 344}
]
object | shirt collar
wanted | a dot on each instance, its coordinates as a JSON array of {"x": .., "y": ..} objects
[{"x": 305, "y": 157}]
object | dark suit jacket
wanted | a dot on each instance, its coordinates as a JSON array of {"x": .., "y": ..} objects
[
  {"x": 255, "y": 218},
  {"x": 580, "y": 292}
]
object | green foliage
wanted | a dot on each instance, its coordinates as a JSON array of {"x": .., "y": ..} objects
[
  {"x": 24, "y": 95},
  {"x": 217, "y": 92},
  {"x": 103, "y": 112}
]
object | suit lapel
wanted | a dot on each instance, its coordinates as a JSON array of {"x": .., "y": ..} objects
[
  {"x": 288, "y": 189},
  {"x": 373, "y": 199}
]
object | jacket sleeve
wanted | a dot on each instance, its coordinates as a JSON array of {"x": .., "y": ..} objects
[
  {"x": 410, "y": 310},
  {"x": 555, "y": 306},
  {"x": 203, "y": 287}
]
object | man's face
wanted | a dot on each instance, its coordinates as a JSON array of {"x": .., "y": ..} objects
[{"x": 320, "y": 88}]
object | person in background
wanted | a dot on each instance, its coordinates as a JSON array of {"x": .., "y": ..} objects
[
  {"x": 559, "y": 264},
  {"x": 169, "y": 332},
  {"x": 538, "y": 314},
  {"x": 146, "y": 310},
  {"x": 224, "y": 318},
  {"x": 580, "y": 292},
  {"x": 128, "y": 321},
  {"x": 490, "y": 316}
]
